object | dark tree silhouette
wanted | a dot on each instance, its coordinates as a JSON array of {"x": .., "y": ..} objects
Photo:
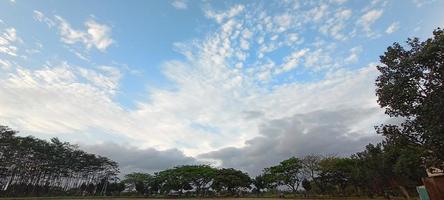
[{"x": 30, "y": 166}]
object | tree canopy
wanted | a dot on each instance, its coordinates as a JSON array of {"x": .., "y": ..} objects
[{"x": 411, "y": 87}]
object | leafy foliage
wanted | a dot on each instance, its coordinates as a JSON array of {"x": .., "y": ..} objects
[
  {"x": 288, "y": 173},
  {"x": 411, "y": 86}
]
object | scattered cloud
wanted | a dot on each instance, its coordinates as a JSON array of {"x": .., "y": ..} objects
[
  {"x": 392, "y": 28},
  {"x": 368, "y": 18},
  {"x": 292, "y": 60},
  {"x": 420, "y": 3},
  {"x": 220, "y": 16},
  {"x": 180, "y": 4},
  {"x": 5, "y": 64},
  {"x": 354, "y": 55},
  {"x": 39, "y": 16},
  {"x": 96, "y": 35},
  {"x": 8, "y": 41}
]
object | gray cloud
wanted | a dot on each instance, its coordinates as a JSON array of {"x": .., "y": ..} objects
[
  {"x": 319, "y": 132},
  {"x": 132, "y": 159}
]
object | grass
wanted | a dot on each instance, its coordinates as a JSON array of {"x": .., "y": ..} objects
[{"x": 139, "y": 198}]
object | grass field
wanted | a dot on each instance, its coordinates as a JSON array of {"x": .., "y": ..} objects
[{"x": 136, "y": 198}]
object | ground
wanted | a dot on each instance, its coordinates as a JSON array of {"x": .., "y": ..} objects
[{"x": 135, "y": 198}]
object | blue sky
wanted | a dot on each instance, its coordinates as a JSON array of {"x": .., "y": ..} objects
[{"x": 204, "y": 81}]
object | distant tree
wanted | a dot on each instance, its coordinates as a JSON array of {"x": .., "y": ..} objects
[
  {"x": 288, "y": 172},
  {"x": 411, "y": 86},
  {"x": 230, "y": 180},
  {"x": 197, "y": 176},
  {"x": 337, "y": 172},
  {"x": 138, "y": 181},
  {"x": 311, "y": 169},
  {"x": 260, "y": 183}
]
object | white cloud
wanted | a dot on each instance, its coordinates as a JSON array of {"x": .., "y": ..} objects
[
  {"x": 420, "y": 3},
  {"x": 180, "y": 4},
  {"x": 39, "y": 16},
  {"x": 367, "y": 20},
  {"x": 334, "y": 26},
  {"x": 99, "y": 35},
  {"x": 5, "y": 65},
  {"x": 8, "y": 41},
  {"x": 96, "y": 35},
  {"x": 247, "y": 33},
  {"x": 107, "y": 80},
  {"x": 292, "y": 61},
  {"x": 317, "y": 13},
  {"x": 244, "y": 44},
  {"x": 392, "y": 28},
  {"x": 354, "y": 55},
  {"x": 283, "y": 22},
  {"x": 220, "y": 16}
]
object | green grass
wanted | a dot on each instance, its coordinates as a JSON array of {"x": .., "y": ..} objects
[{"x": 139, "y": 198}]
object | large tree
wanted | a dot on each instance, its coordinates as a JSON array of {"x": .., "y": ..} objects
[
  {"x": 288, "y": 172},
  {"x": 139, "y": 181},
  {"x": 336, "y": 172},
  {"x": 411, "y": 87},
  {"x": 230, "y": 180}
]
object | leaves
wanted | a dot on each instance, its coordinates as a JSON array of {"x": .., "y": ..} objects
[{"x": 411, "y": 86}]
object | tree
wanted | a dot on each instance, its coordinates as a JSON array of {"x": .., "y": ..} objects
[
  {"x": 260, "y": 183},
  {"x": 198, "y": 176},
  {"x": 139, "y": 181},
  {"x": 387, "y": 166},
  {"x": 288, "y": 173},
  {"x": 230, "y": 180},
  {"x": 337, "y": 172},
  {"x": 311, "y": 169},
  {"x": 411, "y": 86}
]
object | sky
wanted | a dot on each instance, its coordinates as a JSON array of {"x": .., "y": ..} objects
[{"x": 244, "y": 84}]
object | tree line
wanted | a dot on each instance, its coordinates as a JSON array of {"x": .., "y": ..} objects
[
  {"x": 31, "y": 166},
  {"x": 380, "y": 169},
  {"x": 34, "y": 167}
]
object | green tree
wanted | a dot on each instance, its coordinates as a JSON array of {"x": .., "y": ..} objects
[
  {"x": 288, "y": 172},
  {"x": 337, "y": 172},
  {"x": 311, "y": 170},
  {"x": 230, "y": 180},
  {"x": 198, "y": 177},
  {"x": 411, "y": 86},
  {"x": 138, "y": 181},
  {"x": 260, "y": 184}
]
